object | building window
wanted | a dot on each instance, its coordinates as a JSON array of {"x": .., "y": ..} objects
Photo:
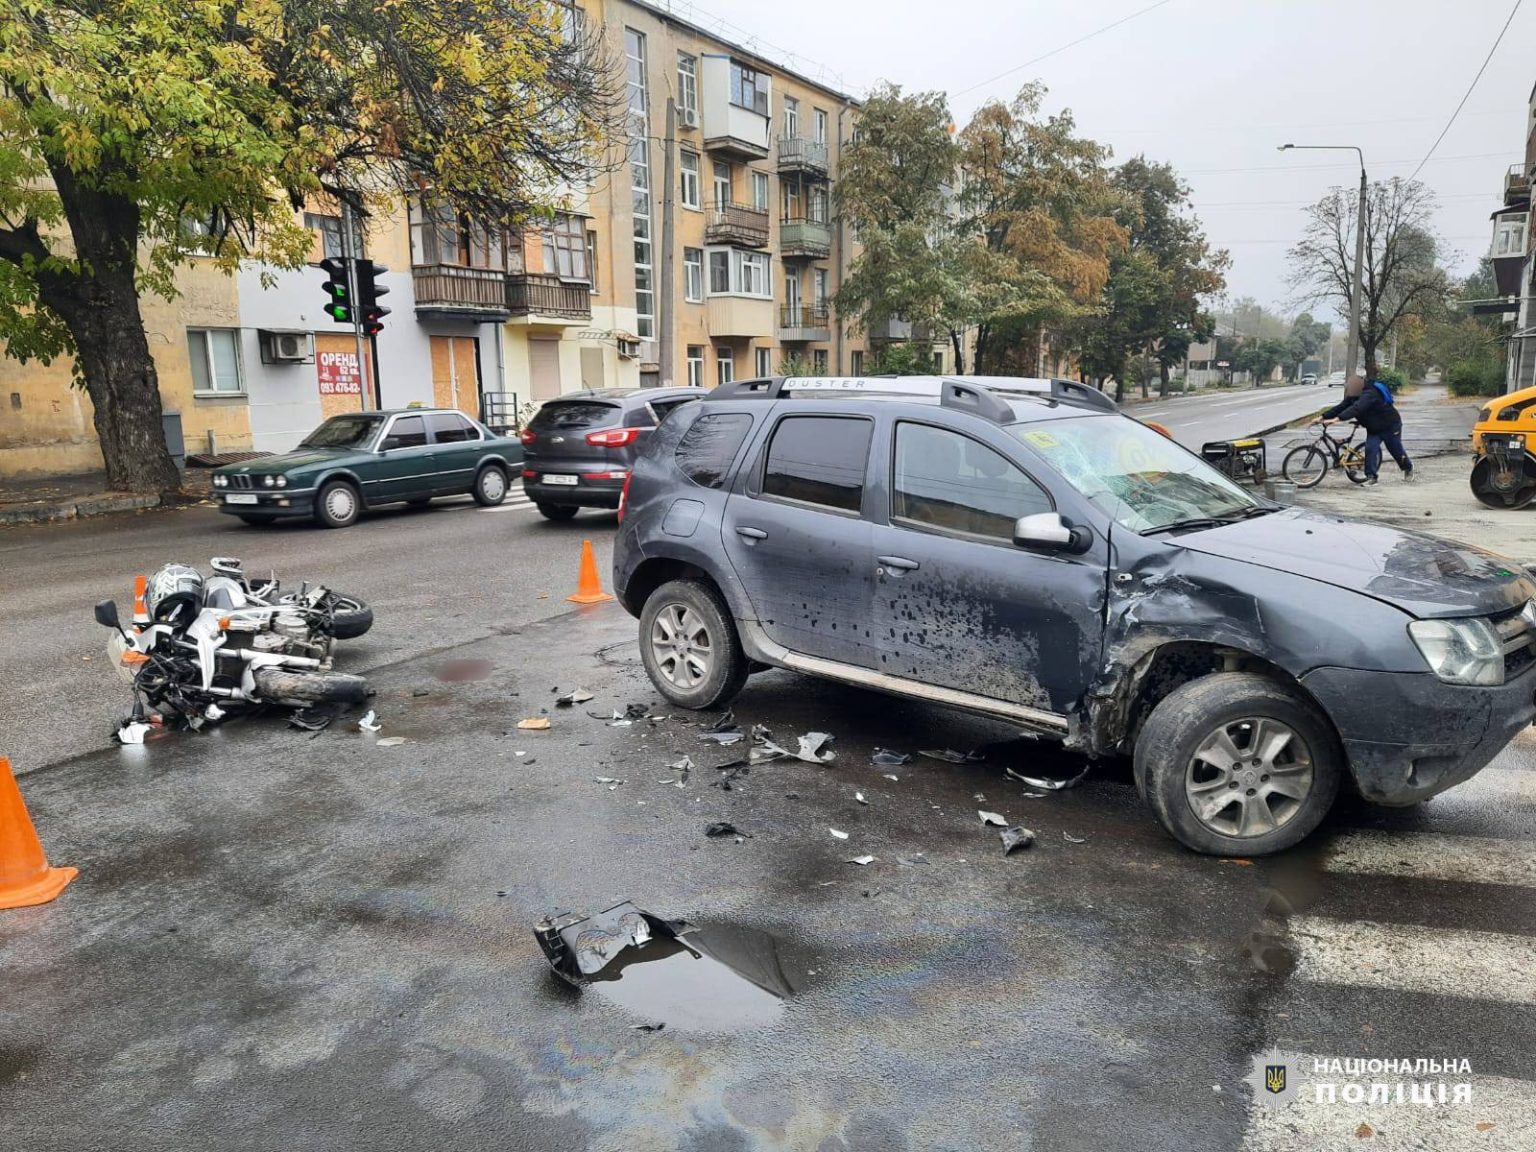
[
  {"x": 791, "y": 199},
  {"x": 858, "y": 363},
  {"x": 565, "y": 248},
  {"x": 215, "y": 357},
  {"x": 749, "y": 89},
  {"x": 735, "y": 272},
  {"x": 687, "y": 86},
  {"x": 938, "y": 362},
  {"x": 640, "y": 181},
  {"x": 573, "y": 21},
  {"x": 760, "y": 191},
  {"x": 763, "y": 358},
  {"x": 819, "y": 360},
  {"x": 688, "y": 165},
  {"x": 722, "y": 184},
  {"x": 821, "y": 126},
  {"x": 725, "y": 366},
  {"x": 791, "y": 118},
  {"x": 592, "y": 259},
  {"x": 821, "y": 288},
  {"x": 819, "y": 212},
  {"x": 693, "y": 274},
  {"x": 329, "y": 230},
  {"x": 695, "y": 365},
  {"x": 1509, "y": 235}
]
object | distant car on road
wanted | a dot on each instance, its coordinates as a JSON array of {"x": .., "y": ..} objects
[
  {"x": 364, "y": 459},
  {"x": 580, "y": 447},
  {"x": 1021, "y": 550},
  {"x": 1309, "y": 378},
  {"x": 1334, "y": 380}
]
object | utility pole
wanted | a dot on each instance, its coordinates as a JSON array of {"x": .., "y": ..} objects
[
  {"x": 666, "y": 314},
  {"x": 1356, "y": 287}
]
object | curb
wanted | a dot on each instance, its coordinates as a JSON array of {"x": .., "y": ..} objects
[{"x": 97, "y": 505}]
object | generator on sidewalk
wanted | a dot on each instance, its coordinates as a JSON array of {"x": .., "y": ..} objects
[{"x": 1245, "y": 461}]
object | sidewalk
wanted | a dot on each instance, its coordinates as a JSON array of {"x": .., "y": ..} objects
[{"x": 64, "y": 498}]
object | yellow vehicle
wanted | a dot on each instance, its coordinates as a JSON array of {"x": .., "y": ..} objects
[{"x": 1504, "y": 440}]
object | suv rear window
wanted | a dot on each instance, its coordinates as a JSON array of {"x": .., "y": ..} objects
[
  {"x": 819, "y": 460},
  {"x": 706, "y": 450},
  {"x": 574, "y": 414}
]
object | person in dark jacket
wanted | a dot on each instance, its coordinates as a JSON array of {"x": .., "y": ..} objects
[{"x": 1370, "y": 405}]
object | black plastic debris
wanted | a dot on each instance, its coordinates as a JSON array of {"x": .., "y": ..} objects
[
  {"x": 1050, "y": 785},
  {"x": 726, "y": 722},
  {"x": 579, "y": 947},
  {"x": 316, "y": 719},
  {"x": 1016, "y": 838},
  {"x": 730, "y": 772},
  {"x": 649, "y": 1027},
  {"x": 721, "y": 828},
  {"x": 917, "y": 859},
  {"x": 950, "y": 756},
  {"x": 574, "y": 696},
  {"x": 637, "y": 711},
  {"x": 885, "y": 758}
]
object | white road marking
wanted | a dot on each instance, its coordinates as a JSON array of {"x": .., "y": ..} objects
[
  {"x": 1411, "y": 958},
  {"x": 1433, "y": 856},
  {"x": 1505, "y": 1108}
]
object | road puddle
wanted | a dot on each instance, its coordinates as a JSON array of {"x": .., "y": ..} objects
[{"x": 713, "y": 979}]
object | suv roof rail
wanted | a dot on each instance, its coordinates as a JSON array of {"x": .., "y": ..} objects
[{"x": 982, "y": 395}]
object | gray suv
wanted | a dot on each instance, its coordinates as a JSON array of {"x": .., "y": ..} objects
[
  {"x": 1021, "y": 550},
  {"x": 577, "y": 449}
]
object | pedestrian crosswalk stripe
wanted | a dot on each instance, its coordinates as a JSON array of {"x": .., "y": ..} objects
[
  {"x": 1500, "y": 1118},
  {"x": 1412, "y": 958},
  {"x": 1434, "y": 856}
]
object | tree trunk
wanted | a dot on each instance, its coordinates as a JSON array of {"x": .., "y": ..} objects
[
  {"x": 102, "y": 313},
  {"x": 957, "y": 341},
  {"x": 983, "y": 338},
  {"x": 1162, "y": 385}
]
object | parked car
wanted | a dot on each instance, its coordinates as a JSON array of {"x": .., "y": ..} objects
[
  {"x": 580, "y": 447},
  {"x": 1021, "y": 550},
  {"x": 364, "y": 459}
]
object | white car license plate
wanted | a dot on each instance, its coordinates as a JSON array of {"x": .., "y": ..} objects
[
  {"x": 559, "y": 479},
  {"x": 240, "y": 498}
]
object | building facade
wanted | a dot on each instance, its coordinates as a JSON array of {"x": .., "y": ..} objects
[{"x": 1514, "y": 262}]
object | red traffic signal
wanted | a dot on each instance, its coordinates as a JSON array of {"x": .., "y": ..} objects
[{"x": 368, "y": 292}]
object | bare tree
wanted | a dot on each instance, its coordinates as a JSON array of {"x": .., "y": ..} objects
[{"x": 1401, "y": 273}]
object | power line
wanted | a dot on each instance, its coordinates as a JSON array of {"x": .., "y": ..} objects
[
  {"x": 1063, "y": 48},
  {"x": 1497, "y": 40},
  {"x": 1325, "y": 167}
]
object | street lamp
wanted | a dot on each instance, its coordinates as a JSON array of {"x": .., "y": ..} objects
[{"x": 1356, "y": 289}]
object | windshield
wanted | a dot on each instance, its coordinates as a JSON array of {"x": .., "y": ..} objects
[
  {"x": 342, "y": 432},
  {"x": 1140, "y": 478}
]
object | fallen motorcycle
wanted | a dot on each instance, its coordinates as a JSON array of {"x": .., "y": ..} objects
[{"x": 198, "y": 648}]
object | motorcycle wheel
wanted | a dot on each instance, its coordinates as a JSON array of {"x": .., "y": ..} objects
[
  {"x": 301, "y": 689},
  {"x": 351, "y": 617}
]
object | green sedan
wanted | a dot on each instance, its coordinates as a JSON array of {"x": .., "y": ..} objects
[{"x": 365, "y": 459}]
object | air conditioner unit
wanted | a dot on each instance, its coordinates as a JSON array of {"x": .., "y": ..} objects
[
  {"x": 285, "y": 347},
  {"x": 629, "y": 347},
  {"x": 688, "y": 117}
]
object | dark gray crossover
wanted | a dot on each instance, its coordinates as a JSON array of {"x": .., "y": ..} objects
[
  {"x": 1020, "y": 549},
  {"x": 579, "y": 447}
]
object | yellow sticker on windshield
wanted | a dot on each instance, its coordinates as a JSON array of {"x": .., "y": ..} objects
[{"x": 1042, "y": 440}]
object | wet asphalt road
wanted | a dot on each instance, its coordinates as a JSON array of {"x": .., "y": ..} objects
[{"x": 286, "y": 941}]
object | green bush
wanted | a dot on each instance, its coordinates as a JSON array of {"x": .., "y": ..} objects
[
  {"x": 1481, "y": 377},
  {"x": 1393, "y": 378}
]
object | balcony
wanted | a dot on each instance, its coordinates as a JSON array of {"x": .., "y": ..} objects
[
  {"x": 730, "y": 128},
  {"x": 807, "y": 238},
  {"x": 739, "y": 317},
  {"x": 805, "y": 322},
  {"x": 806, "y": 157},
  {"x": 889, "y": 330},
  {"x": 738, "y": 224},
  {"x": 454, "y": 292},
  {"x": 534, "y": 299},
  {"x": 1517, "y": 185}
]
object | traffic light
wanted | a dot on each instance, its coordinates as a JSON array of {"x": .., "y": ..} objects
[
  {"x": 338, "y": 295},
  {"x": 368, "y": 292}
]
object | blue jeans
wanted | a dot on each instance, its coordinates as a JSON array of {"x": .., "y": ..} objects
[{"x": 1394, "y": 442}]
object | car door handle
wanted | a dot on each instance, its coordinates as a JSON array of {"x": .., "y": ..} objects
[
  {"x": 751, "y": 533},
  {"x": 899, "y": 563}
]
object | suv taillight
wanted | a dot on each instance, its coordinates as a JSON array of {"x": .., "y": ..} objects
[
  {"x": 527, "y": 435},
  {"x": 613, "y": 437},
  {"x": 624, "y": 497}
]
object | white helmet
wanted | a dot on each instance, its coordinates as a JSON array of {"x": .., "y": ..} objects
[{"x": 175, "y": 594}]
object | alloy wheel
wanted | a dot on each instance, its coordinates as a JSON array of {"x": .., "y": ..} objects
[
  {"x": 681, "y": 645},
  {"x": 1249, "y": 777}
]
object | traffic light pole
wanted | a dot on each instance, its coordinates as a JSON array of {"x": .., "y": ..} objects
[{"x": 367, "y": 381}]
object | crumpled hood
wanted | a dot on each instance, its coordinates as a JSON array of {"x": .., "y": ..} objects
[
  {"x": 1421, "y": 574},
  {"x": 283, "y": 461}
]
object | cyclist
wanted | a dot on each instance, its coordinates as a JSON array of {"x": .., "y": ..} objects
[{"x": 1370, "y": 405}]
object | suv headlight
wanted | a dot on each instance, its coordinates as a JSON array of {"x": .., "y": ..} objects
[{"x": 1460, "y": 651}]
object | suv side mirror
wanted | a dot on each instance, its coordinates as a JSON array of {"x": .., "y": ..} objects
[
  {"x": 1048, "y": 532},
  {"x": 106, "y": 615}
]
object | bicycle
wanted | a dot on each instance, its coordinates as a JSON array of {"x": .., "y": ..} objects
[{"x": 1307, "y": 464}]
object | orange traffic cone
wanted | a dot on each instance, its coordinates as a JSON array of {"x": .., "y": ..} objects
[
  {"x": 25, "y": 878},
  {"x": 589, "y": 589},
  {"x": 140, "y": 606}
]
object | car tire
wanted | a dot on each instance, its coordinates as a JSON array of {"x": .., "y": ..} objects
[
  {"x": 490, "y": 487},
  {"x": 1231, "y": 714},
  {"x": 337, "y": 504},
  {"x": 557, "y": 511},
  {"x": 258, "y": 520},
  {"x": 690, "y": 647}
]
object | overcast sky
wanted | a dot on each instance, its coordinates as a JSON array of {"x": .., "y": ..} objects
[{"x": 1212, "y": 86}]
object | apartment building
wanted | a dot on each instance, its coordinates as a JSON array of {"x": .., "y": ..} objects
[{"x": 1514, "y": 262}]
